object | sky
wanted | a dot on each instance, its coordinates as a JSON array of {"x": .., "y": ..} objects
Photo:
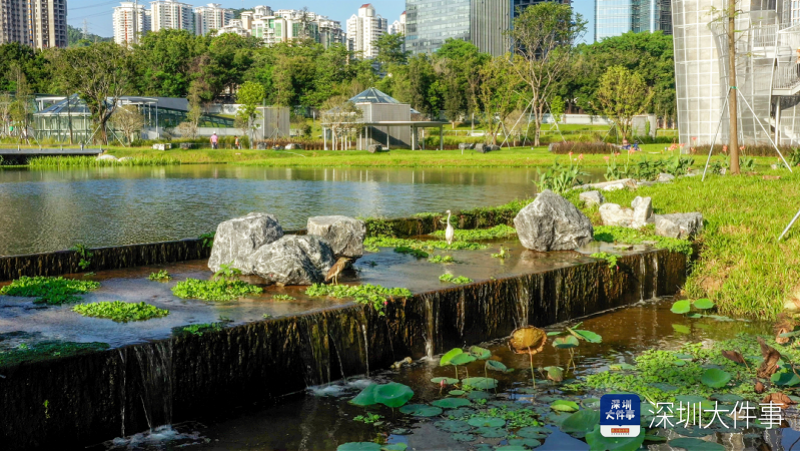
[{"x": 97, "y": 14}]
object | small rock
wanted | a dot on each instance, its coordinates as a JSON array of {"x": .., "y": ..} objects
[
  {"x": 237, "y": 239},
  {"x": 107, "y": 157},
  {"x": 592, "y": 198},
  {"x": 373, "y": 148},
  {"x": 610, "y": 186},
  {"x": 277, "y": 147},
  {"x": 294, "y": 146},
  {"x": 344, "y": 235},
  {"x": 552, "y": 223},
  {"x": 615, "y": 215},
  {"x": 679, "y": 225},
  {"x": 293, "y": 260},
  {"x": 642, "y": 211},
  {"x": 482, "y": 148},
  {"x": 664, "y": 178}
]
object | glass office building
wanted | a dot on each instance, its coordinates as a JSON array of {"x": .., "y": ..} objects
[
  {"x": 615, "y": 17},
  {"x": 431, "y": 22}
]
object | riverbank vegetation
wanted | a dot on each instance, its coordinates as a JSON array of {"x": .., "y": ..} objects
[
  {"x": 49, "y": 290},
  {"x": 121, "y": 312},
  {"x": 44, "y": 350}
]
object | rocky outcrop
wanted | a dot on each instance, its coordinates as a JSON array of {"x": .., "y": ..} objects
[
  {"x": 552, "y": 223},
  {"x": 610, "y": 186},
  {"x": 293, "y": 260},
  {"x": 642, "y": 211},
  {"x": 636, "y": 217},
  {"x": 344, "y": 235},
  {"x": 592, "y": 198},
  {"x": 679, "y": 225},
  {"x": 237, "y": 239}
]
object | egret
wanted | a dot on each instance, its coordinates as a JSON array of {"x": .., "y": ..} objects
[
  {"x": 450, "y": 232},
  {"x": 336, "y": 269}
]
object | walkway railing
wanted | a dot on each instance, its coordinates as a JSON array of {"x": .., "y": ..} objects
[{"x": 786, "y": 77}]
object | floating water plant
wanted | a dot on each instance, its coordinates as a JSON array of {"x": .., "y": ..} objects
[
  {"x": 200, "y": 329},
  {"x": 496, "y": 232},
  {"x": 458, "y": 280},
  {"x": 392, "y": 395},
  {"x": 49, "y": 290},
  {"x": 121, "y": 312},
  {"x": 502, "y": 254},
  {"x": 456, "y": 357},
  {"x": 283, "y": 298},
  {"x": 160, "y": 276},
  {"x": 373, "y": 295},
  {"x": 411, "y": 251},
  {"x": 445, "y": 259},
  {"x": 214, "y": 290},
  {"x": 374, "y": 243},
  {"x": 684, "y": 306},
  {"x": 611, "y": 260}
]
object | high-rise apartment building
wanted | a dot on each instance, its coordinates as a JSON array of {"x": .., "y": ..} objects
[
  {"x": 171, "y": 14},
  {"x": 398, "y": 26},
  {"x": 131, "y": 22},
  {"x": 491, "y": 19},
  {"x": 615, "y": 17},
  {"x": 364, "y": 28},
  {"x": 38, "y": 23},
  {"x": 211, "y": 17}
]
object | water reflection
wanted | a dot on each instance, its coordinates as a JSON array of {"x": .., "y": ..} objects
[{"x": 52, "y": 210}]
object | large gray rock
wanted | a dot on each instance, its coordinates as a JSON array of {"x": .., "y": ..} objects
[
  {"x": 679, "y": 225},
  {"x": 237, "y": 239},
  {"x": 615, "y": 215},
  {"x": 293, "y": 260},
  {"x": 552, "y": 223},
  {"x": 294, "y": 146},
  {"x": 373, "y": 148},
  {"x": 592, "y": 198},
  {"x": 344, "y": 235},
  {"x": 642, "y": 211}
]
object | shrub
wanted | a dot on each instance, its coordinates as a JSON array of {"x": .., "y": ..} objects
[{"x": 564, "y": 148}]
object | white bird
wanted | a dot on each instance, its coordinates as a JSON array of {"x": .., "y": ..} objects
[{"x": 450, "y": 232}]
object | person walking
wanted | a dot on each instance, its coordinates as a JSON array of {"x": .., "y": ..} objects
[
  {"x": 236, "y": 143},
  {"x": 214, "y": 139}
]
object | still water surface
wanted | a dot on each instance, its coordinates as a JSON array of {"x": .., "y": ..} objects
[{"x": 43, "y": 211}]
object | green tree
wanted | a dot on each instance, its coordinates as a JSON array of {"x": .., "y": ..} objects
[
  {"x": 250, "y": 96},
  {"x": 391, "y": 49},
  {"x": 164, "y": 63},
  {"x": 543, "y": 36},
  {"x": 622, "y": 95},
  {"x": 498, "y": 94}
]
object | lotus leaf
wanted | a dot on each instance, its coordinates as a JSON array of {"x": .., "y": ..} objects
[
  {"x": 654, "y": 438},
  {"x": 681, "y": 329},
  {"x": 480, "y": 353},
  {"x": 715, "y": 378},
  {"x": 477, "y": 394},
  {"x": 490, "y": 432},
  {"x": 621, "y": 367},
  {"x": 597, "y": 442},
  {"x": 481, "y": 383},
  {"x": 393, "y": 394},
  {"x": 693, "y": 444},
  {"x": 663, "y": 386},
  {"x": 590, "y": 403},
  {"x": 554, "y": 373},
  {"x": 421, "y": 410},
  {"x": 395, "y": 447},
  {"x": 785, "y": 379},
  {"x": 462, "y": 359},
  {"x": 694, "y": 432},
  {"x": 511, "y": 448},
  {"x": 528, "y": 340},
  {"x": 581, "y": 421},
  {"x": 451, "y": 403},
  {"x": 359, "y": 446},
  {"x": 681, "y": 307},
  {"x": 463, "y": 437},
  {"x": 489, "y": 422},
  {"x": 494, "y": 365},
  {"x": 533, "y": 431},
  {"x": 453, "y": 426},
  {"x": 366, "y": 397},
  {"x": 460, "y": 413},
  {"x": 447, "y": 380},
  {"x": 456, "y": 392},
  {"x": 703, "y": 304},
  {"x": 508, "y": 405},
  {"x": 445, "y": 360},
  {"x": 566, "y": 342},
  {"x": 564, "y": 406},
  {"x": 586, "y": 335},
  {"x": 529, "y": 442}
]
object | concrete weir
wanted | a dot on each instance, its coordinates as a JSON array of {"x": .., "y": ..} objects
[{"x": 90, "y": 398}]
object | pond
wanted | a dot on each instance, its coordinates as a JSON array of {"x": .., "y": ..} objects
[
  {"x": 46, "y": 211},
  {"x": 323, "y": 419}
]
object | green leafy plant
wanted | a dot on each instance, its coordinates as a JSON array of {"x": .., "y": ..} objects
[
  {"x": 226, "y": 272},
  {"x": 372, "y": 295},
  {"x": 85, "y": 254},
  {"x": 411, "y": 251},
  {"x": 685, "y": 306},
  {"x": 444, "y": 259},
  {"x": 615, "y": 171},
  {"x": 717, "y": 166},
  {"x": 458, "y": 280},
  {"x": 561, "y": 178},
  {"x": 611, "y": 260},
  {"x": 207, "y": 239},
  {"x": 747, "y": 164},
  {"x": 502, "y": 254},
  {"x": 373, "y": 244},
  {"x": 678, "y": 165},
  {"x": 648, "y": 169},
  {"x": 121, "y": 312},
  {"x": 199, "y": 329},
  {"x": 370, "y": 418},
  {"x": 392, "y": 395},
  {"x": 49, "y": 290},
  {"x": 266, "y": 316},
  {"x": 160, "y": 276},
  {"x": 214, "y": 290},
  {"x": 283, "y": 297}
]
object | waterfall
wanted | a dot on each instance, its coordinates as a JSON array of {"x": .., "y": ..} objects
[
  {"x": 366, "y": 347},
  {"x": 122, "y": 390},
  {"x": 523, "y": 301},
  {"x": 642, "y": 277},
  {"x": 155, "y": 365},
  {"x": 430, "y": 330},
  {"x": 655, "y": 275}
]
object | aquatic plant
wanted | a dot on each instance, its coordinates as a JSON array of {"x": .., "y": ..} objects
[
  {"x": 444, "y": 259},
  {"x": 493, "y": 233},
  {"x": 121, "y": 312},
  {"x": 161, "y": 276},
  {"x": 561, "y": 178},
  {"x": 207, "y": 239},
  {"x": 45, "y": 350},
  {"x": 49, "y": 290},
  {"x": 214, "y": 290},
  {"x": 458, "y": 280},
  {"x": 502, "y": 254},
  {"x": 684, "y": 306},
  {"x": 611, "y": 260},
  {"x": 373, "y": 295},
  {"x": 392, "y": 395},
  {"x": 84, "y": 253},
  {"x": 411, "y": 251},
  {"x": 373, "y": 244},
  {"x": 199, "y": 329},
  {"x": 456, "y": 357},
  {"x": 370, "y": 418},
  {"x": 50, "y": 162},
  {"x": 283, "y": 297},
  {"x": 528, "y": 340}
]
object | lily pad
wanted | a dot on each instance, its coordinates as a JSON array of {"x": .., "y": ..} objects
[
  {"x": 421, "y": 410},
  {"x": 654, "y": 438},
  {"x": 693, "y": 444},
  {"x": 447, "y": 380},
  {"x": 694, "y": 432},
  {"x": 597, "y": 442},
  {"x": 366, "y": 397},
  {"x": 785, "y": 379},
  {"x": 581, "y": 421},
  {"x": 727, "y": 398},
  {"x": 703, "y": 304},
  {"x": 463, "y": 437},
  {"x": 715, "y": 378},
  {"x": 462, "y": 359},
  {"x": 681, "y": 307},
  {"x": 511, "y": 448},
  {"x": 663, "y": 386},
  {"x": 395, "y": 447},
  {"x": 586, "y": 335},
  {"x": 590, "y": 403},
  {"x": 481, "y": 383},
  {"x": 451, "y": 403},
  {"x": 621, "y": 367},
  {"x": 453, "y": 426},
  {"x": 477, "y": 394},
  {"x": 554, "y": 373},
  {"x": 681, "y": 329},
  {"x": 456, "y": 392},
  {"x": 494, "y": 365},
  {"x": 359, "y": 446},
  {"x": 529, "y": 442},
  {"x": 564, "y": 406},
  {"x": 489, "y": 422},
  {"x": 491, "y": 432},
  {"x": 393, "y": 394},
  {"x": 445, "y": 360},
  {"x": 480, "y": 353},
  {"x": 461, "y": 413},
  {"x": 566, "y": 342},
  {"x": 533, "y": 431}
]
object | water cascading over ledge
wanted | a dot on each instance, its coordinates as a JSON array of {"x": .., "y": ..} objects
[{"x": 90, "y": 398}]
